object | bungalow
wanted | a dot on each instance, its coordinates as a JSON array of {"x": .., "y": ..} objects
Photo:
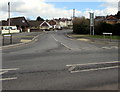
[
  {"x": 35, "y": 25},
  {"x": 19, "y": 22},
  {"x": 111, "y": 19},
  {"x": 45, "y": 26},
  {"x": 99, "y": 18},
  {"x": 55, "y": 24}
]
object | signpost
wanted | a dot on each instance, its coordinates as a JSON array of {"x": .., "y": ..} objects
[
  {"x": 91, "y": 23},
  {"x": 108, "y": 34},
  {"x": 7, "y": 35}
]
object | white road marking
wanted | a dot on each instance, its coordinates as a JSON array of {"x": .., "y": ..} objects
[
  {"x": 66, "y": 46},
  {"x": 9, "y": 69},
  {"x": 3, "y": 79},
  {"x": 106, "y": 47},
  {"x": 116, "y": 47},
  {"x": 71, "y": 68},
  {"x": 92, "y": 63},
  {"x": 62, "y": 43},
  {"x": 112, "y": 47},
  {"x": 3, "y": 72},
  {"x": 54, "y": 38},
  {"x": 105, "y": 68}
]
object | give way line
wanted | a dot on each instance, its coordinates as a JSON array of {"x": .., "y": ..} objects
[
  {"x": 3, "y": 71},
  {"x": 74, "y": 68}
]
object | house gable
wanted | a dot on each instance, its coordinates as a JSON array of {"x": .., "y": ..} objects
[
  {"x": 45, "y": 24},
  {"x": 52, "y": 22}
]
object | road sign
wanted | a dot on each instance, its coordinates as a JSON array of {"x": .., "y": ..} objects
[
  {"x": 91, "y": 23},
  {"x": 91, "y": 19}
]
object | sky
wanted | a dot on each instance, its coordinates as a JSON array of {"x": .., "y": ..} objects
[{"x": 49, "y": 9}]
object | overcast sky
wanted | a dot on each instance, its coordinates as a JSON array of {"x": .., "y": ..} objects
[{"x": 57, "y": 8}]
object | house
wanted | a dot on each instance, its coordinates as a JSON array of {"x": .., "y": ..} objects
[
  {"x": 111, "y": 19},
  {"x": 35, "y": 25},
  {"x": 19, "y": 22},
  {"x": 53, "y": 23},
  {"x": 65, "y": 23},
  {"x": 45, "y": 26},
  {"x": 69, "y": 23},
  {"x": 99, "y": 18}
]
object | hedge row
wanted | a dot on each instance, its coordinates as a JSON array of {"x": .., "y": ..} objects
[{"x": 81, "y": 26}]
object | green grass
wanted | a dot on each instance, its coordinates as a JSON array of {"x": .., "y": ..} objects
[{"x": 96, "y": 36}]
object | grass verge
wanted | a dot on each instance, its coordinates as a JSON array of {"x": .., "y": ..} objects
[{"x": 95, "y": 36}]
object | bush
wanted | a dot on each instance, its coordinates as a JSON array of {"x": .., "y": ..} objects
[
  {"x": 81, "y": 25},
  {"x": 108, "y": 28}
]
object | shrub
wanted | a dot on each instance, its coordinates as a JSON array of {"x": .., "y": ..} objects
[{"x": 81, "y": 25}]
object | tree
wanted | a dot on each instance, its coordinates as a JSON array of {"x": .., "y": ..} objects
[
  {"x": 81, "y": 25},
  {"x": 39, "y": 19}
]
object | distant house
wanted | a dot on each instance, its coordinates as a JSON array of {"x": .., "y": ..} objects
[
  {"x": 111, "y": 19},
  {"x": 45, "y": 26},
  {"x": 99, "y": 18},
  {"x": 65, "y": 23},
  {"x": 19, "y": 22},
  {"x": 35, "y": 24},
  {"x": 53, "y": 23},
  {"x": 118, "y": 21}
]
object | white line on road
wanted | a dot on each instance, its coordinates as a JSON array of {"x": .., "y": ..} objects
[
  {"x": 3, "y": 72},
  {"x": 2, "y": 79},
  {"x": 66, "y": 46},
  {"x": 92, "y": 63},
  {"x": 106, "y": 48},
  {"x": 54, "y": 38},
  {"x": 9, "y": 69},
  {"x": 62, "y": 43},
  {"x": 105, "y": 68}
]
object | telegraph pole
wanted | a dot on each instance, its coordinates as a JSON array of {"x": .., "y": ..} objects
[
  {"x": 9, "y": 14},
  {"x": 9, "y": 22},
  {"x": 73, "y": 13}
]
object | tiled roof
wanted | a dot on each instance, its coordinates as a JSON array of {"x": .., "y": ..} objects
[
  {"x": 34, "y": 23},
  {"x": 20, "y": 21}
]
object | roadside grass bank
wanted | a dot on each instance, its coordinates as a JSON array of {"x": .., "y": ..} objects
[{"x": 94, "y": 36}]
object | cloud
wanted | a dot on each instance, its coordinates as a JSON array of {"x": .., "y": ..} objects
[{"x": 34, "y": 8}]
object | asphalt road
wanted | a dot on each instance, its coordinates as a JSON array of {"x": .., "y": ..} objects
[{"x": 43, "y": 65}]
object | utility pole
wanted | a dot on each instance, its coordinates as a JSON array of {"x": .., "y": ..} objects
[
  {"x": 9, "y": 22},
  {"x": 9, "y": 14},
  {"x": 73, "y": 13}
]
